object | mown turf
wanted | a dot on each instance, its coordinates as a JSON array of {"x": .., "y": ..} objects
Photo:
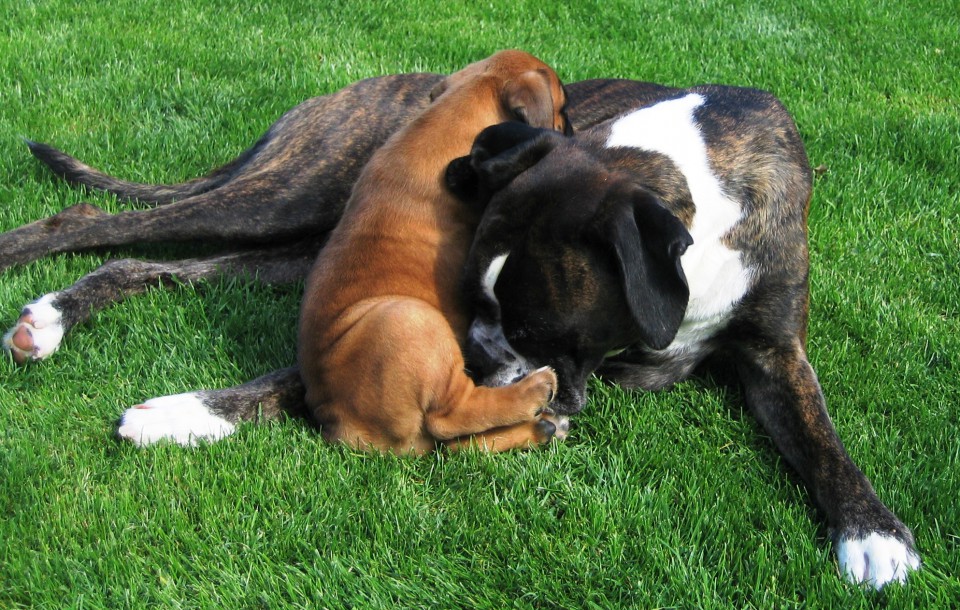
[{"x": 658, "y": 500}]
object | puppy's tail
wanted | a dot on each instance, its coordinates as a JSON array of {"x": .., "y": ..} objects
[{"x": 76, "y": 172}]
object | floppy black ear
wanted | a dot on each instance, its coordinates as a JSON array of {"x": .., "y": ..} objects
[
  {"x": 648, "y": 242},
  {"x": 500, "y": 153}
]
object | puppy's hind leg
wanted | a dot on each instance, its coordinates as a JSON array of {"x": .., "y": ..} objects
[
  {"x": 42, "y": 324},
  {"x": 500, "y": 418},
  {"x": 528, "y": 434},
  {"x": 210, "y": 415},
  {"x": 394, "y": 380}
]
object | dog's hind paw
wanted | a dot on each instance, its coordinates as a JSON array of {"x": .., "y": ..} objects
[
  {"x": 876, "y": 559},
  {"x": 37, "y": 333},
  {"x": 181, "y": 418}
]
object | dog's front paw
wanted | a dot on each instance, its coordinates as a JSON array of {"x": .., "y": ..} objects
[
  {"x": 182, "y": 418},
  {"x": 875, "y": 559},
  {"x": 37, "y": 333}
]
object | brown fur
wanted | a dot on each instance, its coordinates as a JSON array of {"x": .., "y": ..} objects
[{"x": 381, "y": 323}]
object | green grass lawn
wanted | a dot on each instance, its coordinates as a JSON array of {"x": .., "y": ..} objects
[{"x": 658, "y": 500}]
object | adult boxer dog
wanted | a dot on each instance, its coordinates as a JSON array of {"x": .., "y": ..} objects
[
  {"x": 270, "y": 208},
  {"x": 649, "y": 243},
  {"x": 382, "y": 321}
]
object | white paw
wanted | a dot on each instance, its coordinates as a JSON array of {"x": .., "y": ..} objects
[
  {"x": 37, "y": 333},
  {"x": 875, "y": 560},
  {"x": 181, "y": 418}
]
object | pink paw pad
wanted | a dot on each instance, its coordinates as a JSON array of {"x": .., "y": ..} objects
[{"x": 37, "y": 333}]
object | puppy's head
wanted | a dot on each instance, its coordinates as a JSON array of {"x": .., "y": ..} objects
[
  {"x": 527, "y": 89},
  {"x": 571, "y": 261}
]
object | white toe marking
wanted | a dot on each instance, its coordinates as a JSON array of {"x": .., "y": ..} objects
[
  {"x": 181, "y": 418},
  {"x": 45, "y": 330},
  {"x": 875, "y": 560}
]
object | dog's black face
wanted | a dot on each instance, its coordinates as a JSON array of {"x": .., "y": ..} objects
[{"x": 571, "y": 261}]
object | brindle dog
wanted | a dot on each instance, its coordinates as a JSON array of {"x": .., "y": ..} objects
[{"x": 272, "y": 209}]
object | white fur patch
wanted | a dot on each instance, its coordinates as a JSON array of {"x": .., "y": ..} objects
[
  {"x": 46, "y": 331},
  {"x": 492, "y": 274},
  {"x": 875, "y": 560},
  {"x": 512, "y": 365},
  {"x": 181, "y": 418},
  {"x": 715, "y": 273}
]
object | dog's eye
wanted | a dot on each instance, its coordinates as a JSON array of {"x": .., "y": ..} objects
[{"x": 520, "y": 114}]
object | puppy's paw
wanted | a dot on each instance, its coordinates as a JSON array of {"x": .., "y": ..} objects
[
  {"x": 551, "y": 426},
  {"x": 875, "y": 559},
  {"x": 560, "y": 423},
  {"x": 181, "y": 418},
  {"x": 539, "y": 388},
  {"x": 37, "y": 333}
]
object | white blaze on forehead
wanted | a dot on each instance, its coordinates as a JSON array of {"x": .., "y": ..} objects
[
  {"x": 492, "y": 274},
  {"x": 715, "y": 273}
]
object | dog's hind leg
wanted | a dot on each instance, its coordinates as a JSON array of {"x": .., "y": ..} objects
[
  {"x": 43, "y": 323},
  {"x": 235, "y": 215},
  {"x": 209, "y": 415},
  {"x": 292, "y": 183}
]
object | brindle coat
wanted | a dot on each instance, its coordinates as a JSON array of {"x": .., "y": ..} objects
[{"x": 274, "y": 205}]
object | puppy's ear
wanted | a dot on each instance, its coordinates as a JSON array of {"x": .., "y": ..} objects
[
  {"x": 648, "y": 242},
  {"x": 500, "y": 153},
  {"x": 528, "y": 99}
]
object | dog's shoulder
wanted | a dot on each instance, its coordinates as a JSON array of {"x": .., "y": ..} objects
[{"x": 729, "y": 163}]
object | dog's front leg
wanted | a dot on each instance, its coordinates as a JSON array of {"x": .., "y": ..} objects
[{"x": 782, "y": 390}]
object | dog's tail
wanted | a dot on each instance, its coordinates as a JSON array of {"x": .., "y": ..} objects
[{"x": 76, "y": 172}]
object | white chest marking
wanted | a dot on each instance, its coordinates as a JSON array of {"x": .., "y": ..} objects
[{"x": 715, "y": 273}]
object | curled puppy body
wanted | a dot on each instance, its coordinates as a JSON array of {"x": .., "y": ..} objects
[{"x": 381, "y": 323}]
